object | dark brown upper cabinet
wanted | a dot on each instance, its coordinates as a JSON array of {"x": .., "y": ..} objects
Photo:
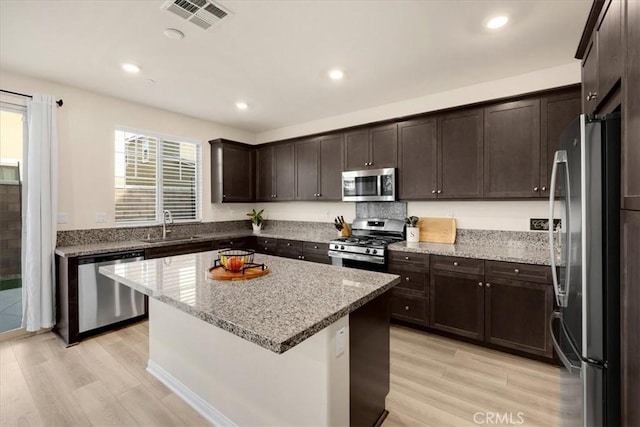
[
  {"x": 232, "y": 171},
  {"x": 417, "y": 159},
  {"x": 631, "y": 110},
  {"x": 460, "y": 155},
  {"x": 319, "y": 168},
  {"x": 557, "y": 111},
  {"x": 275, "y": 172},
  {"x": 602, "y": 61},
  {"x": 371, "y": 148},
  {"x": 512, "y": 149}
]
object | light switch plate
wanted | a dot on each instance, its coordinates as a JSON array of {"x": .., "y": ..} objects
[
  {"x": 340, "y": 338},
  {"x": 101, "y": 217},
  {"x": 63, "y": 218}
]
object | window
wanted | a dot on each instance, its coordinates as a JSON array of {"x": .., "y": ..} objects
[{"x": 154, "y": 173}]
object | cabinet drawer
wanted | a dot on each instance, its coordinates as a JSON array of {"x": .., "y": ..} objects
[
  {"x": 411, "y": 280},
  {"x": 185, "y": 248},
  {"x": 523, "y": 272},
  {"x": 411, "y": 309},
  {"x": 238, "y": 242},
  {"x": 319, "y": 258},
  {"x": 266, "y": 241},
  {"x": 315, "y": 248},
  {"x": 289, "y": 244},
  {"x": 269, "y": 250},
  {"x": 411, "y": 259},
  {"x": 457, "y": 264}
]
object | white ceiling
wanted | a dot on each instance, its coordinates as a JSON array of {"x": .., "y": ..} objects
[{"x": 275, "y": 54}]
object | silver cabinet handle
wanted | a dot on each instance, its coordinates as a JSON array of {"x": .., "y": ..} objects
[
  {"x": 315, "y": 247},
  {"x": 224, "y": 195},
  {"x": 479, "y": 283},
  {"x": 455, "y": 263},
  {"x": 407, "y": 279},
  {"x": 302, "y": 257},
  {"x": 319, "y": 195},
  {"x": 288, "y": 244},
  {"x": 439, "y": 191},
  {"x": 544, "y": 188},
  {"x": 592, "y": 96},
  {"x": 265, "y": 248},
  {"x": 535, "y": 189},
  {"x": 406, "y": 308},
  {"x": 433, "y": 191},
  {"x": 516, "y": 271},
  {"x": 407, "y": 258},
  {"x": 488, "y": 285}
]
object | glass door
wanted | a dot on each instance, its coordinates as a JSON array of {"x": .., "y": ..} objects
[{"x": 12, "y": 140}]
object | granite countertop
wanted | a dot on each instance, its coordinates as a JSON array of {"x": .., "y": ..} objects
[
  {"x": 130, "y": 245},
  {"x": 497, "y": 252},
  {"x": 276, "y": 311}
]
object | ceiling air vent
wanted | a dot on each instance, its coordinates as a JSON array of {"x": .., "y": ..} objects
[{"x": 202, "y": 13}]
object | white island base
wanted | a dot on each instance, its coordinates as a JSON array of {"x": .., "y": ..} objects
[{"x": 231, "y": 381}]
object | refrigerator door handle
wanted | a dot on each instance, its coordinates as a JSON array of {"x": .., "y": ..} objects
[
  {"x": 560, "y": 294},
  {"x": 573, "y": 369}
]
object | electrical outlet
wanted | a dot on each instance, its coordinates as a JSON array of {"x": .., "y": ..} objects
[
  {"x": 542, "y": 224},
  {"x": 101, "y": 217},
  {"x": 340, "y": 337},
  {"x": 63, "y": 218}
]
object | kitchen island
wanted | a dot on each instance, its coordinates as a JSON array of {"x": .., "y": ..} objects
[{"x": 307, "y": 344}]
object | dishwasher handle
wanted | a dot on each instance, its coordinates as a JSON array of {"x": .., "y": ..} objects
[{"x": 94, "y": 259}]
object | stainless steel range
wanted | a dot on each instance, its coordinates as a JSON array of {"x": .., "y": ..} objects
[{"x": 367, "y": 247}]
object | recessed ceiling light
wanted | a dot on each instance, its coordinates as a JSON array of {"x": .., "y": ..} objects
[
  {"x": 497, "y": 22},
  {"x": 174, "y": 34},
  {"x": 241, "y": 105},
  {"x": 130, "y": 68},
  {"x": 336, "y": 74}
]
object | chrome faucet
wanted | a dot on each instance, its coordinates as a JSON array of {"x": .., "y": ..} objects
[{"x": 166, "y": 214}]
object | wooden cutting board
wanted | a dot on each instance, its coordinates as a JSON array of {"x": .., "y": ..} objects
[
  {"x": 437, "y": 230},
  {"x": 219, "y": 273}
]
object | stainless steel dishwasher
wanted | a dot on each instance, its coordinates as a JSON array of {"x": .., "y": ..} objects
[{"x": 103, "y": 301}]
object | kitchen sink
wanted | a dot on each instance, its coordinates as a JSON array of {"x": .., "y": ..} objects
[{"x": 169, "y": 239}]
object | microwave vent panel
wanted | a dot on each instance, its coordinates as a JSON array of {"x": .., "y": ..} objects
[{"x": 203, "y": 13}]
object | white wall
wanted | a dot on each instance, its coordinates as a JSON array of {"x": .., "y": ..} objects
[{"x": 86, "y": 148}]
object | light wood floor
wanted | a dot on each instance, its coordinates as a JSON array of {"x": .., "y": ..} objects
[{"x": 103, "y": 382}]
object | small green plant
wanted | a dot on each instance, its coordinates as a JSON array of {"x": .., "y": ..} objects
[{"x": 256, "y": 217}]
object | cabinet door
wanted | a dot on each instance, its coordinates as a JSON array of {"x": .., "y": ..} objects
[
  {"x": 238, "y": 173},
  {"x": 456, "y": 304},
  {"x": 384, "y": 147},
  {"x": 631, "y": 110},
  {"x": 417, "y": 154},
  {"x": 356, "y": 150},
  {"x": 512, "y": 149},
  {"x": 460, "y": 155},
  {"x": 264, "y": 174},
  {"x": 609, "y": 47},
  {"x": 556, "y": 113},
  {"x": 307, "y": 160},
  {"x": 630, "y": 317},
  {"x": 331, "y": 155},
  {"x": 409, "y": 308},
  {"x": 517, "y": 315},
  {"x": 590, "y": 78},
  {"x": 284, "y": 170}
]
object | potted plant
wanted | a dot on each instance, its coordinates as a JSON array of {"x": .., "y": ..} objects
[{"x": 256, "y": 220}]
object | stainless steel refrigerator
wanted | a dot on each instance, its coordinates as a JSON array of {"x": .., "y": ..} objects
[{"x": 585, "y": 254}]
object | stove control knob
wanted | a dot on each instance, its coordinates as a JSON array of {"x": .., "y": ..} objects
[
  {"x": 336, "y": 247},
  {"x": 374, "y": 251},
  {"x": 367, "y": 251},
  {"x": 342, "y": 247}
]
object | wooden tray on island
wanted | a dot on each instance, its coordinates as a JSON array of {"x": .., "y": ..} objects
[{"x": 219, "y": 273}]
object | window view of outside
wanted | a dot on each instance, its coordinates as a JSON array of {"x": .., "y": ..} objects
[
  {"x": 11, "y": 168},
  {"x": 155, "y": 174}
]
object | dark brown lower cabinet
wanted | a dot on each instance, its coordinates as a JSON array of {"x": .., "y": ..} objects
[
  {"x": 516, "y": 315},
  {"x": 456, "y": 304},
  {"x": 316, "y": 252}
]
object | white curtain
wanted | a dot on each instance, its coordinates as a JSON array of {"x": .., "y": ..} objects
[{"x": 40, "y": 188}]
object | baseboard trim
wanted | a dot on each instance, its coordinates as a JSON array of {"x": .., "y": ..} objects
[{"x": 210, "y": 413}]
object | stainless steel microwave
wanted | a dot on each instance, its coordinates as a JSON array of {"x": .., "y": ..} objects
[{"x": 374, "y": 185}]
